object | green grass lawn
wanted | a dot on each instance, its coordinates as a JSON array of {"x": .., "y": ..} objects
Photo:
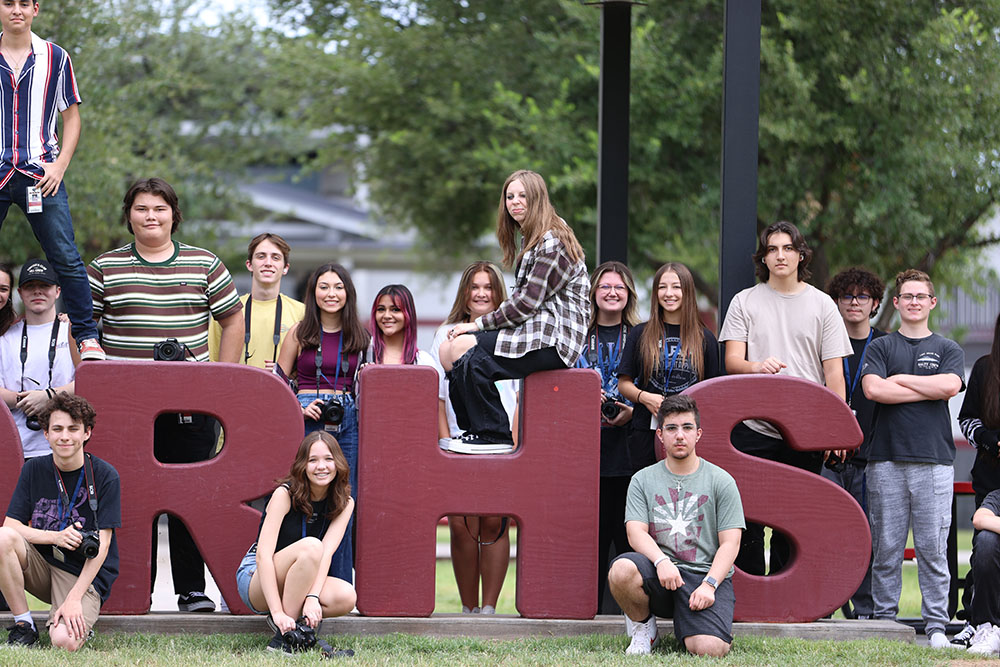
[{"x": 225, "y": 650}]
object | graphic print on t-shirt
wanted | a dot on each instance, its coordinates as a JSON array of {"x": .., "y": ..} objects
[
  {"x": 680, "y": 377},
  {"x": 677, "y": 523},
  {"x": 929, "y": 361},
  {"x": 45, "y": 516}
]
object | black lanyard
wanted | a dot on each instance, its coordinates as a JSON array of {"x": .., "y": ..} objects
[
  {"x": 66, "y": 500},
  {"x": 53, "y": 341},
  {"x": 311, "y": 519},
  {"x": 861, "y": 363},
  {"x": 319, "y": 362},
  {"x": 277, "y": 329}
]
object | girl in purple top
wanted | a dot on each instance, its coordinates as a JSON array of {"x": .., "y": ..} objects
[{"x": 323, "y": 352}]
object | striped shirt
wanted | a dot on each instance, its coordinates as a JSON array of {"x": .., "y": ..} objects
[
  {"x": 143, "y": 303},
  {"x": 29, "y": 107},
  {"x": 548, "y": 307}
]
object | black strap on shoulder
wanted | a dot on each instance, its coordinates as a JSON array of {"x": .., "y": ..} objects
[
  {"x": 246, "y": 329},
  {"x": 53, "y": 344}
]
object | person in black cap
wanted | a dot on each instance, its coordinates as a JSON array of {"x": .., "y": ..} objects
[{"x": 38, "y": 356}]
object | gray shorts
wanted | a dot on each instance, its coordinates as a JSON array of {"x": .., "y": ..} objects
[{"x": 717, "y": 620}]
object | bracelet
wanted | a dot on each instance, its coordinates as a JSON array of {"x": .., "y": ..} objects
[
  {"x": 639, "y": 397},
  {"x": 659, "y": 560},
  {"x": 313, "y": 595}
]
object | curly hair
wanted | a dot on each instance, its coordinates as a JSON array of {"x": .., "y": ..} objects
[
  {"x": 77, "y": 407},
  {"x": 857, "y": 280}
]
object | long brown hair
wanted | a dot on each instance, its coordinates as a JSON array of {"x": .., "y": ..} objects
[
  {"x": 339, "y": 489},
  {"x": 7, "y": 316},
  {"x": 991, "y": 393},
  {"x": 460, "y": 309},
  {"x": 692, "y": 334},
  {"x": 310, "y": 330},
  {"x": 540, "y": 217},
  {"x": 630, "y": 315}
]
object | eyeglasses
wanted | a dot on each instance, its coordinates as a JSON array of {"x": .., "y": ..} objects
[
  {"x": 671, "y": 429},
  {"x": 619, "y": 289},
  {"x": 862, "y": 299},
  {"x": 920, "y": 298}
]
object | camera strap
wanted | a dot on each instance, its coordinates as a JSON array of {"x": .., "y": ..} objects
[
  {"x": 65, "y": 500},
  {"x": 319, "y": 361},
  {"x": 53, "y": 342},
  {"x": 246, "y": 333},
  {"x": 668, "y": 365}
]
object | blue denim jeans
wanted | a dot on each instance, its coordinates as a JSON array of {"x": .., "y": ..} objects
[
  {"x": 342, "y": 565},
  {"x": 53, "y": 228}
]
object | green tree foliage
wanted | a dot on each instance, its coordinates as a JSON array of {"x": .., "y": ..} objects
[
  {"x": 163, "y": 95},
  {"x": 878, "y": 130}
]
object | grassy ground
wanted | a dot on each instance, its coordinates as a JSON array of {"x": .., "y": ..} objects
[{"x": 224, "y": 650}]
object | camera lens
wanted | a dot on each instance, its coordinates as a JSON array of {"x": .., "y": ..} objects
[{"x": 33, "y": 423}]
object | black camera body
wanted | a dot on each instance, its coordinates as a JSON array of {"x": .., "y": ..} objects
[
  {"x": 835, "y": 463},
  {"x": 301, "y": 637},
  {"x": 332, "y": 411},
  {"x": 170, "y": 349},
  {"x": 610, "y": 409},
  {"x": 90, "y": 546}
]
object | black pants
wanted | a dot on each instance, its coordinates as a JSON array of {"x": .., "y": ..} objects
[
  {"x": 751, "y": 556},
  {"x": 174, "y": 442},
  {"x": 986, "y": 572},
  {"x": 968, "y": 591},
  {"x": 473, "y": 390},
  {"x": 610, "y": 531}
]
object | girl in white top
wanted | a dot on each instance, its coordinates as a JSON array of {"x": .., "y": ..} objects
[{"x": 480, "y": 546}]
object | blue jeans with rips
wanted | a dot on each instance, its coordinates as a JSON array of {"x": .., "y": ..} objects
[{"x": 53, "y": 228}]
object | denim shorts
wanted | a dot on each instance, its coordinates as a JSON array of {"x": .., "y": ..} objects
[{"x": 244, "y": 573}]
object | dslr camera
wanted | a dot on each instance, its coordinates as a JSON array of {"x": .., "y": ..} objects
[
  {"x": 332, "y": 411},
  {"x": 835, "y": 463},
  {"x": 301, "y": 637},
  {"x": 170, "y": 349},
  {"x": 610, "y": 409},
  {"x": 90, "y": 545}
]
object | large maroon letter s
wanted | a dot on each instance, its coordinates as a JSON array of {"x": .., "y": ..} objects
[
  {"x": 826, "y": 526},
  {"x": 263, "y": 426},
  {"x": 12, "y": 456}
]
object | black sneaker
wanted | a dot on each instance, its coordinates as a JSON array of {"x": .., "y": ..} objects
[
  {"x": 471, "y": 443},
  {"x": 278, "y": 644},
  {"x": 195, "y": 601},
  {"x": 964, "y": 636},
  {"x": 21, "y": 634}
]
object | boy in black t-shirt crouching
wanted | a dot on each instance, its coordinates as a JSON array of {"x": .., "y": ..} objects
[{"x": 57, "y": 541}]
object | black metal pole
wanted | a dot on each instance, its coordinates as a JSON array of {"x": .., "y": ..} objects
[
  {"x": 740, "y": 115},
  {"x": 613, "y": 121}
]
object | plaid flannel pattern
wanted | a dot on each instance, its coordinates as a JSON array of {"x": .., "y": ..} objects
[{"x": 548, "y": 307}]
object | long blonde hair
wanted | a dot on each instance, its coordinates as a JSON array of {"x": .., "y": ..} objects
[
  {"x": 692, "y": 333},
  {"x": 540, "y": 217}
]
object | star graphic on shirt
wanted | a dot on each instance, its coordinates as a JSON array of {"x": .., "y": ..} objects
[{"x": 678, "y": 525}]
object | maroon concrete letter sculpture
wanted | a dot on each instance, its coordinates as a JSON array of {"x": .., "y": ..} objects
[
  {"x": 549, "y": 485},
  {"x": 829, "y": 531},
  {"x": 263, "y": 427},
  {"x": 10, "y": 453}
]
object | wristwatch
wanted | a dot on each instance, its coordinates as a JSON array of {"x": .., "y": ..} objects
[{"x": 710, "y": 580}]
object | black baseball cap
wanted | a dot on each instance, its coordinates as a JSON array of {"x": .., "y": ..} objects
[{"x": 37, "y": 269}]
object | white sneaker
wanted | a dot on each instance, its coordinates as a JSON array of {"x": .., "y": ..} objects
[
  {"x": 644, "y": 637},
  {"x": 939, "y": 640},
  {"x": 964, "y": 635},
  {"x": 986, "y": 641}
]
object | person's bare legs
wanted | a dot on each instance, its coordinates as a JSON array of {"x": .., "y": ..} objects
[
  {"x": 337, "y": 597},
  {"x": 465, "y": 558},
  {"x": 709, "y": 645},
  {"x": 494, "y": 559},
  {"x": 13, "y": 560},
  {"x": 452, "y": 350},
  {"x": 295, "y": 569},
  {"x": 625, "y": 584},
  {"x": 60, "y": 637}
]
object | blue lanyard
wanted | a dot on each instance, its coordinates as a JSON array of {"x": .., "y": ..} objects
[
  {"x": 673, "y": 358},
  {"x": 323, "y": 530},
  {"x": 861, "y": 364},
  {"x": 63, "y": 520},
  {"x": 613, "y": 360},
  {"x": 319, "y": 363}
]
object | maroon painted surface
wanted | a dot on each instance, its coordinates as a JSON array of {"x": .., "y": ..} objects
[
  {"x": 263, "y": 426},
  {"x": 827, "y": 527},
  {"x": 550, "y": 486},
  {"x": 10, "y": 453}
]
